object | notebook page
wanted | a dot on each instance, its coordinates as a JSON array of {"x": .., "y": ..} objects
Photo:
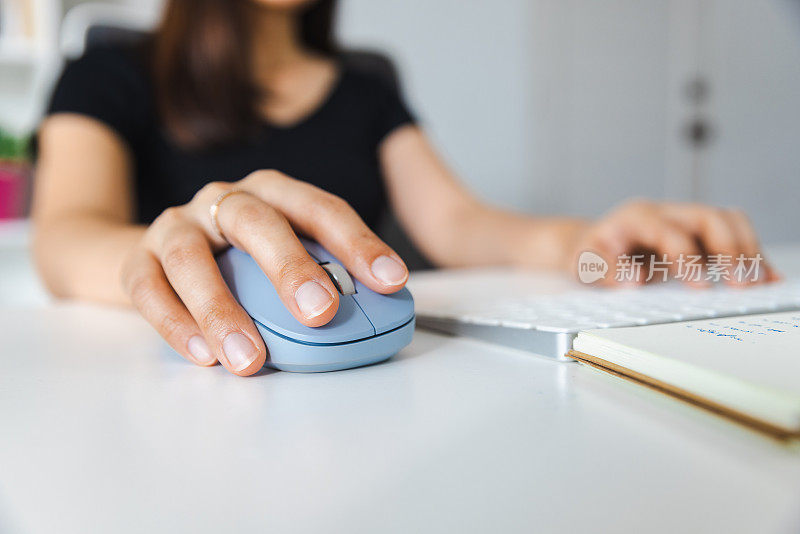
[{"x": 762, "y": 349}]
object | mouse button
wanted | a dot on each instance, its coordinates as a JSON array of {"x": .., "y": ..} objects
[
  {"x": 336, "y": 271},
  {"x": 386, "y": 312},
  {"x": 349, "y": 324},
  {"x": 340, "y": 278},
  {"x": 254, "y": 291}
]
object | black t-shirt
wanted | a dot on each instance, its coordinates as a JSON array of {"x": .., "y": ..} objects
[{"x": 335, "y": 147}]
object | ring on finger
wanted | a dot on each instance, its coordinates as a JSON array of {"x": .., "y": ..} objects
[{"x": 213, "y": 210}]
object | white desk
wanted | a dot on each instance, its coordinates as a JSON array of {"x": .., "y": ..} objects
[{"x": 102, "y": 431}]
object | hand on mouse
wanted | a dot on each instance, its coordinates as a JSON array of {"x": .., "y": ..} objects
[
  {"x": 673, "y": 231},
  {"x": 172, "y": 279}
]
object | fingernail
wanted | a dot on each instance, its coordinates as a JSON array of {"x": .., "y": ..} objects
[
  {"x": 389, "y": 271},
  {"x": 312, "y": 299},
  {"x": 198, "y": 348},
  {"x": 239, "y": 351}
]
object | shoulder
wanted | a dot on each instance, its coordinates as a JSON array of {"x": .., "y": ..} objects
[
  {"x": 375, "y": 89},
  {"x": 370, "y": 70},
  {"x": 107, "y": 83},
  {"x": 115, "y": 67},
  {"x": 126, "y": 61}
]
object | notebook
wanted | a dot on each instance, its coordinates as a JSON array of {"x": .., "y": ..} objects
[{"x": 746, "y": 368}]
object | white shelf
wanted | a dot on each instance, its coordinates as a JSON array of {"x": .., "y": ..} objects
[
  {"x": 18, "y": 53},
  {"x": 29, "y": 63}
]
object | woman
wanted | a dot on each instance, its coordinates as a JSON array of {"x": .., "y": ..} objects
[{"x": 237, "y": 125}]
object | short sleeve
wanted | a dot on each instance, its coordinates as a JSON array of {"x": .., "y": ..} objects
[
  {"x": 106, "y": 85},
  {"x": 392, "y": 110}
]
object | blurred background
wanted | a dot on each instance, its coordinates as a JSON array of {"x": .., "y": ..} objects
[{"x": 547, "y": 106}]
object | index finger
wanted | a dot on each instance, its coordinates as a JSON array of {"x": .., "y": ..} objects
[
  {"x": 330, "y": 221},
  {"x": 252, "y": 225}
]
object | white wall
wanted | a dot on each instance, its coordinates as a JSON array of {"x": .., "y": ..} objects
[
  {"x": 755, "y": 160},
  {"x": 545, "y": 105},
  {"x": 572, "y": 105},
  {"x": 465, "y": 67}
]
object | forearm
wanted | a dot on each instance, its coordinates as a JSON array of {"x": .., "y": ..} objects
[
  {"x": 453, "y": 228},
  {"x": 478, "y": 234},
  {"x": 80, "y": 255}
]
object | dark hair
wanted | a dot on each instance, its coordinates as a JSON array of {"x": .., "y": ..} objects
[{"x": 204, "y": 87}]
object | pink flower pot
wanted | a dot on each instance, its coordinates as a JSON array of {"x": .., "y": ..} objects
[{"x": 13, "y": 186}]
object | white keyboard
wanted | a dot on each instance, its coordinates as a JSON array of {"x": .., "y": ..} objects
[{"x": 547, "y": 323}]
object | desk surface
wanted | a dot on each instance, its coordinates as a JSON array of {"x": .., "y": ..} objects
[{"x": 101, "y": 430}]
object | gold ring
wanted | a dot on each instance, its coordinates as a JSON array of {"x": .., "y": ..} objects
[{"x": 214, "y": 210}]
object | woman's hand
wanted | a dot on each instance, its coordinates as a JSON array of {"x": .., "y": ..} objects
[
  {"x": 675, "y": 232},
  {"x": 172, "y": 279}
]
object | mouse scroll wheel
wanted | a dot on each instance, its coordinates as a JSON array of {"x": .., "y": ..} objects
[{"x": 340, "y": 278}]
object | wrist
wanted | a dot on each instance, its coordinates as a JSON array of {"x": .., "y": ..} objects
[
  {"x": 553, "y": 243},
  {"x": 571, "y": 237}
]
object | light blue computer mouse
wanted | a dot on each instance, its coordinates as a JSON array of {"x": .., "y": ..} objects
[{"x": 367, "y": 328}]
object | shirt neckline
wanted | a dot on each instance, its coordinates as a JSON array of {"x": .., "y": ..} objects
[{"x": 333, "y": 91}]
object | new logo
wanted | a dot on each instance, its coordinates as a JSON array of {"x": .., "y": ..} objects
[{"x": 591, "y": 267}]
